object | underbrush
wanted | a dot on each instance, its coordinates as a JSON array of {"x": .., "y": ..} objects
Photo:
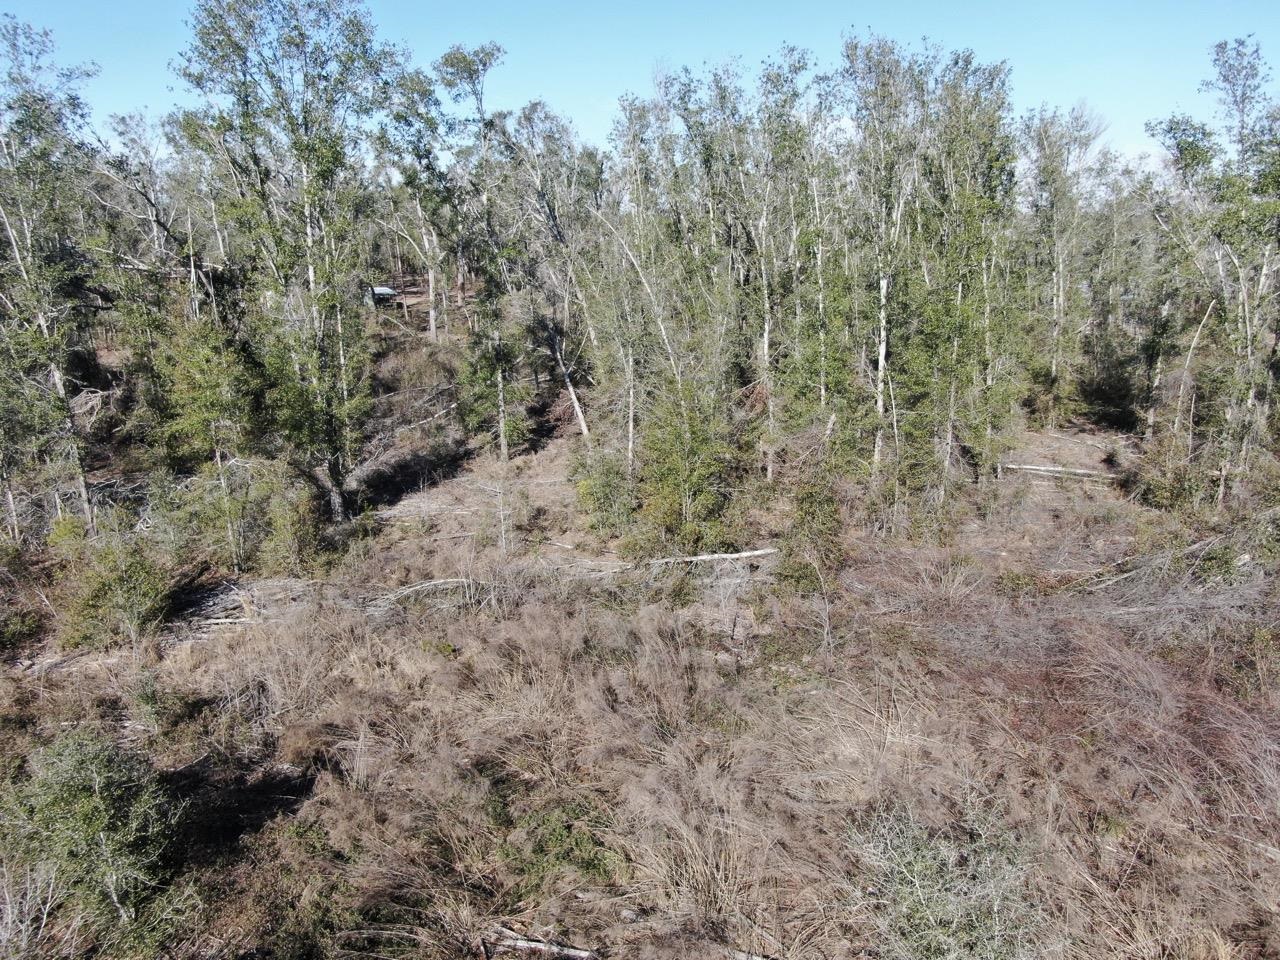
[
  {"x": 954, "y": 894},
  {"x": 88, "y": 839},
  {"x": 116, "y": 586},
  {"x": 1054, "y": 743}
]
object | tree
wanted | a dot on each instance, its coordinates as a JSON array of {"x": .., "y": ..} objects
[
  {"x": 1059, "y": 148},
  {"x": 1240, "y": 79},
  {"x": 290, "y": 91},
  {"x": 46, "y": 299}
]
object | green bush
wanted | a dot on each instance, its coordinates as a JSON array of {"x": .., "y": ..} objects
[
  {"x": 156, "y": 706},
  {"x": 478, "y": 393},
  {"x": 19, "y": 623},
  {"x": 606, "y": 492},
  {"x": 1176, "y": 488},
  {"x": 811, "y": 547},
  {"x": 955, "y": 895},
  {"x": 548, "y": 843},
  {"x": 98, "y": 817},
  {"x": 68, "y": 538},
  {"x": 689, "y": 466},
  {"x": 17, "y": 627},
  {"x": 288, "y": 540},
  {"x": 119, "y": 592}
]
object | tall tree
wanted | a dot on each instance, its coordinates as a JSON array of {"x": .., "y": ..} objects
[
  {"x": 46, "y": 296},
  {"x": 290, "y": 93}
]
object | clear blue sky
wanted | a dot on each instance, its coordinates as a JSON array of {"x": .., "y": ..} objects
[{"x": 1130, "y": 61}]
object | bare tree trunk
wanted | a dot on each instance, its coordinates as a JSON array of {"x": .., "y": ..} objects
[
  {"x": 766, "y": 372},
  {"x": 568, "y": 385},
  {"x": 1054, "y": 340},
  {"x": 502, "y": 405},
  {"x": 950, "y": 427},
  {"x": 73, "y": 448},
  {"x": 11, "y": 511},
  {"x": 431, "y": 302},
  {"x": 232, "y": 539},
  {"x": 332, "y": 491},
  {"x": 882, "y": 358},
  {"x": 631, "y": 414},
  {"x": 822, "y": 303},
  {"x": 1186, "y": 375}
]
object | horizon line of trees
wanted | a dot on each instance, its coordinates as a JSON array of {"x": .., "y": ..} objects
[{"x": 871, "y": 268}]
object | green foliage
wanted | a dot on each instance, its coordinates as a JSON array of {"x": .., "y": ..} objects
[
  {"x": 1166, "y": 481},
  {"x": 18, "y": 627},
  {"x": 67, "y": 538},
  {"x": 689, "y": 463},
  {"x": 1019, "y": 584},
  {"x": 208, "y": 394},
  {"x": 290, "y": 541},
  {"x": 485, "y": 409},
  {"x": 19, "y": 622},
  {"x": 297, "y": 903},
  {"x": 99, "y": 817},
  {"x": 1189, "y": 142},
  {"x": 811, "y": 547},
  {"x": 300, "y": 242},
  {"x": 155, "y": 705},
  {"x": 45, "y": 264},
  {"x": 118, "y": 586},
  {"x": 958, "y": 895},
  {"x": 546, "y": 843},
  {"x": 606, "y": 492}
]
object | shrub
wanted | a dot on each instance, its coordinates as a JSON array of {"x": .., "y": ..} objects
[
  {"x": 547, "y": 843},
  {"x": 17, "y": 627},
  {"x": 122, "y": 595},
  {"x": 606, "y": 492},
  {"x": 289, "y": 541},
  {"x": 478, "y": 393},
  {"x": 157, "y": 707},
  {"x": 68, "y": 538},
  {"x": 98, "y": 817},
  {"x": 811, "y": 547},
  {"x": 689, "y": 465},
  {"x": 950, "y": 896}
]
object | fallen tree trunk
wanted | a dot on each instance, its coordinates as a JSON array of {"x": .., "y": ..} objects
[
  {"x": 502, "y": 940},
  {"x": 1058, "y": 471},
  {"x": 709, "y": 557},
  {"x": 424, "y": 585}
]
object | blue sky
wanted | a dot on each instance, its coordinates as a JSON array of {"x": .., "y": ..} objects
[{"x": 1129, "y": 61}]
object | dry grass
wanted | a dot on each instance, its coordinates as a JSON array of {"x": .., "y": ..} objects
[{"x": 682, "y": 765}]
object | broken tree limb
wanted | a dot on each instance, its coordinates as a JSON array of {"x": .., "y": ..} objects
[
  {"x": 431, "y": 419},
  {"x": 708, "y": 557},
  {"x": 1104, "y": 447},
  {"x": 502, "y": 940},
  {"x": 425, "y": 585},
  {"x": 1058, "y": 471}
]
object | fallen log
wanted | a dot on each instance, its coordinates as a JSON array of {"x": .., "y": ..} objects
[
  {"x": 502, "y": 940},
  {"x": 710, "y": 557},
  {"x": 1058, "y": 471},
  {"x": 424, "y": 585}
]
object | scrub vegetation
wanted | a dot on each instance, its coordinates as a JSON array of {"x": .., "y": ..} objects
[{"x": 838, "y": 517}]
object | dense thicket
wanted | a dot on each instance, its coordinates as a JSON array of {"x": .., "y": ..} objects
[{"x": 867, "y": 268}]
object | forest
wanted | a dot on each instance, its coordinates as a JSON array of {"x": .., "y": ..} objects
[{"x": 837, "y": 517}]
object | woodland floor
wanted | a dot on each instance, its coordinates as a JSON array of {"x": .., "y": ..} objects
[{"x": 484, "y": 725}]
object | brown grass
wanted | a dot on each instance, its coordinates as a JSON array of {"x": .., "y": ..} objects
[{"x": 677, "y": 766}]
